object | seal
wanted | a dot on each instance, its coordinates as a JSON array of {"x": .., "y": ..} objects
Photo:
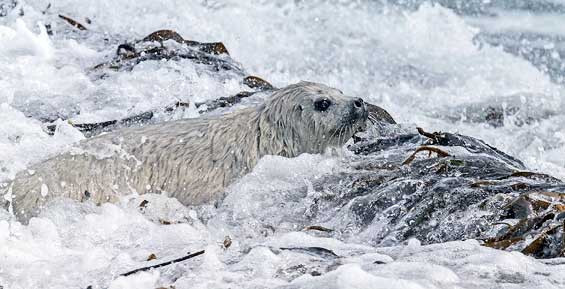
[{"x": 192, "y": 160}]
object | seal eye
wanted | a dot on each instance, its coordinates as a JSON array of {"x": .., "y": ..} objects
[{"x": 322, "y": 104}]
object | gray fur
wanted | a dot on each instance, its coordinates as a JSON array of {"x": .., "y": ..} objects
[{"x": 193, "y": 160}]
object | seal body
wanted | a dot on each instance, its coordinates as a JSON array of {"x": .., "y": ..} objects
[{"x": 193, "y": 160}]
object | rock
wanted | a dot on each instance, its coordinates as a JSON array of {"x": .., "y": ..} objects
[{"x": 169, "y": 45}]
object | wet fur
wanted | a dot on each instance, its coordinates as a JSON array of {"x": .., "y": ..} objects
[{"x": 193, "y": 160}]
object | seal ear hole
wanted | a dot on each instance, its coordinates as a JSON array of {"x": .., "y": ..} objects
[
  {"x": 322, "y": 104},
  {"x": 300, "y": 108}
]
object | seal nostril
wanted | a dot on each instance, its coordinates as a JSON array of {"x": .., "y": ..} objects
[{"x": 358, "y": 103}]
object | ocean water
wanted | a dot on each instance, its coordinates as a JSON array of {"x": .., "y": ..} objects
[{"x": 442, "y": 66}]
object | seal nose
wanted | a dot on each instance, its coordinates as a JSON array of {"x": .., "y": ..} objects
[
  {"x": 358, "y": 103},
  {"x": 358, "y": 108}
]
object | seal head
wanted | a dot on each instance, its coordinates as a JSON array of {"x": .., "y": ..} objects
[{"x": 309, "y": 117}]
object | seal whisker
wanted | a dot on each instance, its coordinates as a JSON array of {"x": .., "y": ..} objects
[
  {"x": 341, "y": 130},
  {"x": 348, "y": 132},
  {"x": 334, "y": 133}
]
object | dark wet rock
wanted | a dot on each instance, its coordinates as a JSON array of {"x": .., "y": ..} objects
[
  {"x": 73, "y": 22},
  {"x": 258, "y": 83},
  {"x": 379, "y": 115},
  {"x": 454, "y": 197},
  {"x": 169, "y": 45},
  {"x": 445, "y": 198}
]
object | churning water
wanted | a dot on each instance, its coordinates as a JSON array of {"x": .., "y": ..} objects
[{"x": 450, "y": 65}]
